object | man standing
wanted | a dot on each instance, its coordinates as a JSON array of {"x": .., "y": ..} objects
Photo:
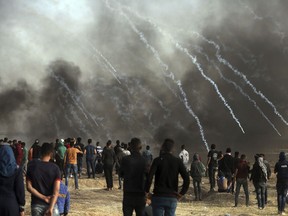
[
  {"x": 147, "y": 155},
  {"x": 71, "y": 160},
  {"x": 212, "y": 166},
  {"x": 166, "y": 170},
  {"x": 241, "y": 178},
  {"x": 226, "y": 167},
  {"x": 133, "y": 169},
  {"x": 281, "y": 169},
  {"x": 34, "y": 151},
  {"x": 43, "y": 182},
  {"x": 90, "y": 151},
  {"x": 79, "y": 146},
  {"x": 184, "y": 156},
  {"x": 109, "y": 159}
]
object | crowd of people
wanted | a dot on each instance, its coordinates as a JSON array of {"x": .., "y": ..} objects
[{"x": 45, "y": 165}]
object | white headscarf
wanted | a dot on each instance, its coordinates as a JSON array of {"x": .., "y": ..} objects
[{"x": 263, "y": 167}]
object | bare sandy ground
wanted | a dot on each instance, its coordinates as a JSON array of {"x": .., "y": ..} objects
[{"x": 92, "y": 200}]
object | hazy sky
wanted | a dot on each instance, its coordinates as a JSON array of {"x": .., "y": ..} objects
[{"x": 117, "y": 69}]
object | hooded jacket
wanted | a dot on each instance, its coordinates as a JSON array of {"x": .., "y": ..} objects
[
  {"x": 281, "y": 168},
  {"x": 8, "y": 164}
]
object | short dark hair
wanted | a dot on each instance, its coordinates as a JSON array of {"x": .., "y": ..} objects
[
  {"x": 236, "y": 153},
  {"x": 135, "y": 145},
  {"x": 118, "y": 142},
  {"x": 228, "y": 150},
  {"x": 167, "y": 145},
  {"x": 147, "y": 147},
  {"x": 243, "y": 157},
  {"x": 125, "y": 146},
  {"x": 213, "y": 146},
  {"x": 109, "y": 142},
  {"x": 46, "y": 149},
  {"x": 183, "y": 147},
  {"x": 79, "y": 139},
  {"x": 89, "y": 141}
]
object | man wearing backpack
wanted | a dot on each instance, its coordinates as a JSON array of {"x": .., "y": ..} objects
[
  {"x": 226, "y": 168},
  {"x": 197, "y": 171},
  {"x": 184, "y": 156},
  {"x": 281, "y": 169},
  {"x": 212, "y": 166}
]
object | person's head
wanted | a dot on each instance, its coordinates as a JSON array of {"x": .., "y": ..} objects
[
  {"x": 282, "y": 156},
  {"x": 236, "y": 154},
  {"x": 228, "y": 151},
  {"x": 195, "y": 157},
  {"x": 213, "y": 146},
  {"x": 14, "y": 142},
  {"x": 23, "y": 144},
  {"x": 89, "y": 141},
  {"x": 125, "y": 146},
  {"x": 73, "y": 140},
  {"x": 72, "y": 143},
  {"x": 5, "y": 140},
  {"x": 167, "y": 146},
  {"x": 256, "y": 157},
  {"x": 109, "y": 143},
  {"x": 97, "y": 143},
  {"x": 147, "y": 147},
  {"x": 118, "y": 142},
  {"x": 79, "y": 139},
  {"x": 262, "y": 155},
  {"x": 135, "y": 144},
  {"x": 182, "y": 147},
  {"x": 243, "y": 157},
  {"x": 47, "y": 149}
]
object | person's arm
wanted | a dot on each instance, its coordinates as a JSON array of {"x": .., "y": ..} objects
[
  {"x": 36, "y": 193},
  {"x": 67, "y": 203},
  {"x": 54, "y": 198},
  {"x": 236, "y": 171},
  {"x": 276, "y": 168},
  {"x": 84, "y": 151},
  {"x": 79, "y": 151},
  {"x": 19, "y": 191},
  {"x": 208, "y": 160},
  {"x": 151, "y": 174}
]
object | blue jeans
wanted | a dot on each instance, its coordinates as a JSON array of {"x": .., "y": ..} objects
[
  {"x": 72, "y": 167},
  {"x": 239, "y": 183},
  {"x": 164, "y": 206},
  {"x": 260, "y": 191},
  {"x": 39, "y": 210}
]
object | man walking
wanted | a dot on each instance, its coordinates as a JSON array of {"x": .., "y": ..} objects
[{"x": 166, "y": 169}]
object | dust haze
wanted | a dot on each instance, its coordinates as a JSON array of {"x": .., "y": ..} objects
[{"x": 81, "y": 68}]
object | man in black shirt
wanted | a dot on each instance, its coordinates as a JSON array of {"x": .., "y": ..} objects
[
  {"x": 226, "y": 167},
  {"x": 133, "y": 169},
  {"x": 212, "y": 166},
  {"x": 43, "y": 182},
  {"x": 166, "y": 169}
]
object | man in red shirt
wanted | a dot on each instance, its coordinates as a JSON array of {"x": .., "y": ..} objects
[{"x": 241, "y": 177}]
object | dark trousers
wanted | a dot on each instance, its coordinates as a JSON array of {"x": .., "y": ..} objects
[
  {"x": 108, "y": 169},
  {"x": 260, "y": 191},
  {"x": 79, "y": 164},
  {"x": 212, "y": 177},
  {"x": 239, "y": 183},
  {"x": 281, "y": 195},
  {"x": 197, "y": 188},
  {"x": 90, "y": 165},
  {"x": 133, "y": 203}
]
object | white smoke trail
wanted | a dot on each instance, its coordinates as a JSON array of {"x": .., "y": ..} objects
[
  {"x": 195, "y": 62},
  {"x": 74, "y": 98},
  {"x": 238, "y": 73},
  {"x": 237, "y": 87},
  {"x": 165, "y": 68}
]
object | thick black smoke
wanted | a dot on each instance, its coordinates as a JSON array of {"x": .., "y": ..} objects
[{"x": 91, "y": 74}]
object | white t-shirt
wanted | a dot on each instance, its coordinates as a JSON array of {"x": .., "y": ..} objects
[{"x": 184, "y": 155}]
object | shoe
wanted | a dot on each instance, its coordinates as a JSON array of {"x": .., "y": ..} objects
[{"x": 283, "y": 213}]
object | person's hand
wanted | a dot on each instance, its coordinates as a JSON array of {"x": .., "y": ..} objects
[
  {"x": 49, "y": 212},
  {"x": 179, "y": 197},
  {"x": 47, "y": 199},
  {"x": 22, "y": 213}
]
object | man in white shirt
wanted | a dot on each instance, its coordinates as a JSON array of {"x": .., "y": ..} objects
[{"x": 184, "y": 156}]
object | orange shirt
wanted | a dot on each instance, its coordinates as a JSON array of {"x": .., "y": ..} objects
[{"x": 72, "y": 155}]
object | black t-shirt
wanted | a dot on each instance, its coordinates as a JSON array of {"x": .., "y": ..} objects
[
  {"x": 213, "y": 154},
  {"x": 42, "y": 175}
]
